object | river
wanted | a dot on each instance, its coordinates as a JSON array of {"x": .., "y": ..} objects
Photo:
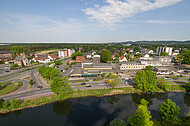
[{"x": 91, "y": 111}]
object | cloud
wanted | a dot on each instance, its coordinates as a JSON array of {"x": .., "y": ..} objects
[{"x": 117, "y": 10}]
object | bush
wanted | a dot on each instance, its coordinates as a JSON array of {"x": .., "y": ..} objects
[
  {"x": 14, "y": 103},
  {"x": 70, "y": 66},
  {"x": 66, "y": 68},
  {"x": 117, "y": 122}
]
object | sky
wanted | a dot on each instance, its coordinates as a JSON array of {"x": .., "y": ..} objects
[{"x": 94, "y": 20}]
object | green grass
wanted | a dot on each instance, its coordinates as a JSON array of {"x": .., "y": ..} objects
[
  {"x": 4, "y": 83},
  {"x": 81, "y": 81},
  {"x": 10, "y": 88}
]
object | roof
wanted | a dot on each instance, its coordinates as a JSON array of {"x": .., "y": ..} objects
[
  {"x": 131, "y": 63},
  {"x": 53, "y": 56},
  {"x": 121, "y": 58}
]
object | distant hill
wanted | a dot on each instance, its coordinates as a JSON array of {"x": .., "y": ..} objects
[{"x": 158, "y": 42}]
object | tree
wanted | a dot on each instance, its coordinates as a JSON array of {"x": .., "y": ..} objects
[
  {"x": 163, "y": 54},
  {"x": 142, "y": 116},
  {"x": 74, "y": 55},
  {"x": 1, "y": 103},
  {"x": 146, "y": 80},
  {"x": 116, "y": 82},
  {"x": 136, "y": 49},
  {"x": 31, "y": 82},
  {"x": 117, "y": 122},
  {"x": 129, "y": 57},
  {"x": 163, "y": 84},
  {"x": 14, "y": 65},
  {"x": 61, "y": 87},
  {"x": 103, "y": 74},
  {"x": 41, "y": 69},
  {"x": 117, "y": 57},
  {"x": 149, "y": 68},
  {"x": 105, "y": 55},
  {"x": 169, "y": 112},
  {"x": 184, "y": 57},
  {"x": 58, "y": 62},
  {"x": 14, "y": 103}
]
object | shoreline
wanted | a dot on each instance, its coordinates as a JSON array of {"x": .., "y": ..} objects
[{"x": 43, "y": 100}]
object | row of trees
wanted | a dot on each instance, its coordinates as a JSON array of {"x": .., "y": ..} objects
[
  {"x": 168, "y": 112},
  {"x": 59, "y": 85}
]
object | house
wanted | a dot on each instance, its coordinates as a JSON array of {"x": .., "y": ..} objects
[
  {"x": 21, "y": 60},
  {"x": 88, "y": 55},
  {"x": 80, "y": 58},
  {"x": 52, "y": 57},
  {"x": 122, "y": 59},
  {"x": 96, "y": 59},
  {"x": 41, "y": 59},
  {"x": 175, "y": 53},
  {"x": 5, "y": 56},
  {"x": 32, "y": 54},
  {"x": 131, "y": 66},
  {"x": 113, "y": 56}
]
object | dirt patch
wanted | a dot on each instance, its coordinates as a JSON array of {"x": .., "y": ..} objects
[
  {"x": 27, "y": 78},
  {"x": 116, "y": 92},
  {"x": 46, "y": 51}
]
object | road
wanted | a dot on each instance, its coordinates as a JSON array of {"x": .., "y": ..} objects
[{"x": 28, "y": 94}]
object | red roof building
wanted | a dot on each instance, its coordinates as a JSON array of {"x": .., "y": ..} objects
[{"x": 80, "y": 58}]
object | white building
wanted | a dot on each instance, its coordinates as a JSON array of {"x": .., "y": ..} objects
[
  {"x": 122, "y": 59},
  {"x": 65, "y": 53},
  {"x": 175, "y": 53},
  {"x": 164, "y": 49},
  {"x": 156, "y": 61}
]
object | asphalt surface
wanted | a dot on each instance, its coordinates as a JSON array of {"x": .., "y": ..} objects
[{"x": 28, "y": 94}]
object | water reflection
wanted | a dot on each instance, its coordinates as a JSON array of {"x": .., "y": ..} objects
[
  {"x": 17, "y": 113},
  {"x": 187, "y": 98},
  {"x": 112, "y": 99},
  {"x": 63, "y": 107},
  {"x": 149, "y": 97}
]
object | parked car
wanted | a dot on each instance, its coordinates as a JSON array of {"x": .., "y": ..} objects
[
  {"x": 88, "y": 85},
  {"x": 83, "y": 83},
  {"x": 175, "y": 78},
  {"x": 166, "y": 77},
  {"x": 40, "y": 87}
]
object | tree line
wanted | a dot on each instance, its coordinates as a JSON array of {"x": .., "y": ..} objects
[
  {"x": 60, "y": 85},
  {"x": 168, "y": 113}
]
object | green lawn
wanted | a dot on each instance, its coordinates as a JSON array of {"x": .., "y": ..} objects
[
  {"x": 10, "y": 88},
  {"x": 4, "y": 83}
]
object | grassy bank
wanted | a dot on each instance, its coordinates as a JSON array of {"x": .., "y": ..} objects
[
  {"x": 80, "y": 81},
  {"x": 10, "y": 88},
  {"x": 84, "y": 93}
]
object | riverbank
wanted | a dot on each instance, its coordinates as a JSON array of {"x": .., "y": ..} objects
[{"x": 85, "y": 93}]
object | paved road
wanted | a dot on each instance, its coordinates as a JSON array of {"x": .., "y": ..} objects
[
  {"x": 28, "y": 94},
  {"x": 12, "y": 72},
  {"x": 24, "y": 86},
  {"x": 12, "y": 78},
  {"x": 36, "y": 83}
]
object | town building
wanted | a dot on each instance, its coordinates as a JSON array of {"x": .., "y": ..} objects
[
  {"x": 52, "y": 57},
  {"x": 131, "y": 66},
  {"x": 156, "y": 61},
  {"x": 164, "y": 49},
  {"x": 41, "y": 59},
  {"x": 88, "y": 56},
  {"x": 113, "y": 56},
  {"x": 80, "y": 59},
  {"x": 5, "y": 56},
  {"x": 122, "y": 59},
  {"x": 96, "y": 59},
  {"x": 175, "y": 53},
  {"x": 64, "y": 53},
  {"x": 162, "y": 71},
  {"x": 21, "y": 60}
]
